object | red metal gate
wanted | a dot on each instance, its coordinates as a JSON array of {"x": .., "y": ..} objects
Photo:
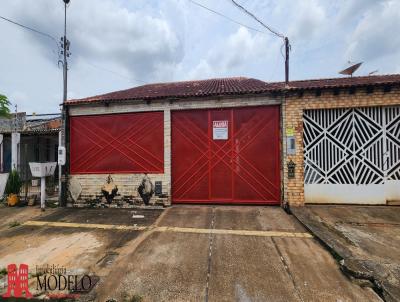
[
  {"x": 117, "y": 143},
  {"x": 226, "y": 155}
]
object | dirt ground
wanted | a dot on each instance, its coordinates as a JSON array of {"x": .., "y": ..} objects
[{"x": 184, "y": 253}]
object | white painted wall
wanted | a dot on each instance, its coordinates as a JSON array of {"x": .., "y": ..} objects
[
  {"x": 352, "y": 194},
  {"x": 15, "y": 140}
]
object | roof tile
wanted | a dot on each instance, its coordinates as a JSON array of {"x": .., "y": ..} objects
[{"x": 231, "y": 86}]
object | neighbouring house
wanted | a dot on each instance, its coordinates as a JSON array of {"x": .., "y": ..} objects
[
  {"x": 240, "y": 141},
  {"x": 29, "y": 138}
]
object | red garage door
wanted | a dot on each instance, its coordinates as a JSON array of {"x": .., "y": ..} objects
[
  {"x": 118, "y": 143},
  {"x": 226, "y": 156}
]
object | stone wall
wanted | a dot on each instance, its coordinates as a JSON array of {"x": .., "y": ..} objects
[{"x": 15, "y": 122}]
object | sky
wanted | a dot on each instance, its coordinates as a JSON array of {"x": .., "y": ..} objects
[{"x": 119, "y": 44}]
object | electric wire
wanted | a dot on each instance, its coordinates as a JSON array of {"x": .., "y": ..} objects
[
  {"x": 32, "y": 29},
  {"x": 226, "y": 17},
  {"x": 29, "y": 28},
  {"x": 276, "y": 33},
  {"x": 58, "y": 47}
]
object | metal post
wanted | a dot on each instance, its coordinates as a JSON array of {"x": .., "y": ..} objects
[
  {"x": 25, "y": 165},
  {"x": 43, "y": 192},
  {"x": 65, "y": 53},
  {"x": 287, "y": 49},
  {"x": 64, "y": 180},
  {"x": 59, "y": 169}
]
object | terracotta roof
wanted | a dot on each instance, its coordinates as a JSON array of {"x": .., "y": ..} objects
[
  {"x": 232, "y": 86},
  {"x": 185, "y": 89},
  {"x": 342, "y": 82}
]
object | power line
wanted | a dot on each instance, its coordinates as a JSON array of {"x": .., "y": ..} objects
[
  {"x": 54, "y": 39},
  {"x": 31, "y": 29},
  {"x": 226, "y": 17},
  {"x": 276, "y": 33}
]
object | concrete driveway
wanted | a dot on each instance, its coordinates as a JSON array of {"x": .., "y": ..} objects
[{"x": 185, "y": 253}]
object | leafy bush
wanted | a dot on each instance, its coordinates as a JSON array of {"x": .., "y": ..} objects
[
  {"x": 3, "y": 272},
  {"x": 14, "y": 183}
]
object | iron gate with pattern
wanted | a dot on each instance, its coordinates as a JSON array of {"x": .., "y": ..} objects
[
  {"x": 226, "y": 155},
  {"x": 352, "y": 155}
]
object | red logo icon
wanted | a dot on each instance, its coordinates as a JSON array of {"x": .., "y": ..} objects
[{"x": 17, "y": 281}]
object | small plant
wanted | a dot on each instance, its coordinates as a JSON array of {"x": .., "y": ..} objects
[
  {"x": 3, "y": 272},
  {"x": 14, "y": 224},
  {"x": 14, "y": 183}
]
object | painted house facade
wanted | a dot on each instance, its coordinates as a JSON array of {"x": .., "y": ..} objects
[{"x": 240, "y": 141}]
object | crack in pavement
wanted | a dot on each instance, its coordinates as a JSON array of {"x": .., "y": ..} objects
[
  {"x": 210, "y": 248},
  {"x": 287, "y": 270}
]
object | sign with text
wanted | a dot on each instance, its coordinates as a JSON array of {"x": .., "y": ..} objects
[
  {"x": 289, "y": 131},
  {"x": 220, "y": 130}
]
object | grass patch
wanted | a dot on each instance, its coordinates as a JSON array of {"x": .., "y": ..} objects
[
  {"x": 14, "y": 224},
  {"x": 134, "y": 298}
]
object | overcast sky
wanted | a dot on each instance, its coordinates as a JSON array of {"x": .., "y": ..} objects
[{"x": 119, "y": 44}]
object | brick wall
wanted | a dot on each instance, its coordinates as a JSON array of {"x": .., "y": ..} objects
[
  {"x": 292, "y": 117},
  {"x": 128, "y": 183}
]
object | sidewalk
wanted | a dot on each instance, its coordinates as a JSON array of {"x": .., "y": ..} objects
[
  {"x": 182, "y": 253},
  {"x": 365, "y": 238}
]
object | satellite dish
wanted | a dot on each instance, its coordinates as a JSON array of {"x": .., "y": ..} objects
[{"x": 350, "y": 70}]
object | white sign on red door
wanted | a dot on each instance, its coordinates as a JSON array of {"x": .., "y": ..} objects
[{"x": 220, "y": 130}]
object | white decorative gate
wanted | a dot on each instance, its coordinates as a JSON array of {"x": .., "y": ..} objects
[{"x": 352, "y": 155}]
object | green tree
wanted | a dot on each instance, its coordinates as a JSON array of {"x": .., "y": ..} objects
[{"x": 4, "y": 109}]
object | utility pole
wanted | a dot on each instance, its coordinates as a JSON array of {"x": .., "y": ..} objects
[
  {"x": 273, "y": 31},
  {"x": 65, "y": 45},
  {"x": 63, "y": 182},
  {"x": 287, "y": 50}
]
